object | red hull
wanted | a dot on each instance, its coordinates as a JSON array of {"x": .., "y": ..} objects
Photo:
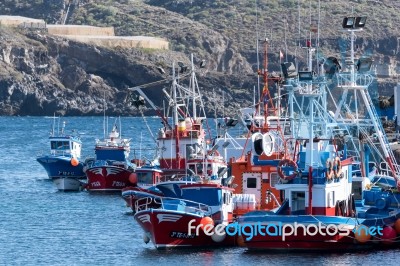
[
  {"x": 169, "y": 229},
  {"x": 107, "y": 178}
]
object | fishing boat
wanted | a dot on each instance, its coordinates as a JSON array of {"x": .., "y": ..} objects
[
  {"x": 254, "y": 155},
  {"x": 182, "y": 147},
  {"x": 151, "y": 181},
  {"x": 169, "y": 189},
  {"x": 147, "y": 177},
  {"x": 319, "y": 211},
  {"x": 180, "y": 222},
  {"x": 111, "y": 170},
  {"x": 183, "y": 152},
  {"x": 63, "y": 164}
]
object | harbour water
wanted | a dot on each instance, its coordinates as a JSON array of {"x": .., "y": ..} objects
[{"x": 41, "y": 226}]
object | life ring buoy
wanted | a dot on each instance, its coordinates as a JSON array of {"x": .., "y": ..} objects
[
  {"x": 338, "y": 168},
  {"x": 329, "y": 170},
  {"x": 287, "y": 163}
]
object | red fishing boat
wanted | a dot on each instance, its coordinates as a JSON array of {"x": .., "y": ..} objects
[
  {"x": 180, "y": 222},
  {"x": 111, "y": 170},
  {"x": 183, "y": 152}
]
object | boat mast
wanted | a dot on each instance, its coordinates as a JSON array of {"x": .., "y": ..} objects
[
  {"x": 265, "y": 96},
  {"x": 104, "y": 115},
  {"x": 120, "y": 127},
  {"x": 265, "y": 91},
  {"x": 54, "y": 122},
  {"x": 175, "y": 116},
  {"x": 193, "y": 82},
  {"x": 355, "y": 81},
  {"x": 258, "y": 61}
]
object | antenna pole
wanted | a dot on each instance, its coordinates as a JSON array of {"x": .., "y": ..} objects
[
  {"x": 120, "y": 127},
  {"x": 104, "y": 115},
  {"x": 258, "y": 59},
  {"x": 193, "y": 88}
]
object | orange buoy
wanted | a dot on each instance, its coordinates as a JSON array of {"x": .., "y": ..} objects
[
  {"x": 388, "y": 235},
  {"x": 362, "y": 234},
  {"x": 240, "y": 241},
  {"x": 397, "y": 226},
  {"x": 133, "y": 178},
  {"x": 74, "y": 161},
  {"x": 206, "y": 222}
]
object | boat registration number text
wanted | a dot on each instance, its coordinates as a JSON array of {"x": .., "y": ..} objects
[
  {"x": 66, "y": 173},
  {"x": 175, "y": 234}
]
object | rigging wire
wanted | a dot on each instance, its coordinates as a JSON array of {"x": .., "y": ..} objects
[{"x": 147, "y": 125}]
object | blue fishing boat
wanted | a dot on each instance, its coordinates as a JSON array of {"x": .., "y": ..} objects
[{"x": 62, "y": 163}]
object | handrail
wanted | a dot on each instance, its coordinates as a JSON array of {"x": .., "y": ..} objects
[
  {"x": 167, "y": 202},
  {"x": 363, "y": 80}
]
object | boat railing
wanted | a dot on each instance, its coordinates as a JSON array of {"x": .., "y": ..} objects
[
  {"x": 66, "y": 153},
  {"x": 384, "y": 169},
  {"x": 173, "y": 204},
  {"x": 305, "y": 89},
  {"x": 60, "y": 152},
  {"x": 360, "y": 80}
]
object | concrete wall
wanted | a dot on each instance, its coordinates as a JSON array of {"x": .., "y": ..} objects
[
  {"x": 102, "y": 36},
  {"x": 122, "y": 41},
  {"x": 16, "y": 21},
  {"x": 80, "y": 30}
]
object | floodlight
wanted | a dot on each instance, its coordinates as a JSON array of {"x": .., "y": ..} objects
[
  {"x": 289, "y": 70},
  {"x": 348, "y": 22},
  {"x": 305, "y": 75},
  {"x": 360, "y": 22},
  {"x": 354, "y": 22},
  {"x": 364, "y": 64}
]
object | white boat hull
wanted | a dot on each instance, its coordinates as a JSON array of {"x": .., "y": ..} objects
[{"x": 68, "y": 184}]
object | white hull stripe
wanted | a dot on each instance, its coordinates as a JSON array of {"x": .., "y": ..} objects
[
  {"x": 164, "y": 217},
  {"x": 145, "y": 218}
]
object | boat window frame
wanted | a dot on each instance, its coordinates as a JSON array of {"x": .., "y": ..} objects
[{"x": 255, "y": 182}]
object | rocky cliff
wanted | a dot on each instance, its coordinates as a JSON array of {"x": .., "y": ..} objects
[{"x": 42, "y": 74}]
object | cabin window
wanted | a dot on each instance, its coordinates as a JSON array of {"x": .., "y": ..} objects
[
  {"x": 199, "y": 167},
  {"x": 251, "y": 182},
  {"x": 145, "y": 178},
  {"x": 356, "y": 189},
  {"x": 227, "y": 198},
  {"x": 274, "y": 179},
  {"x": 211, "y": 197},
  {"x": 298, "y": 202},
  {"x": 287, "y": 130},
  {"x": 192, "y": 167},
  {"x": 190, "y": 151},
  {"x": 59, "y": 145}
]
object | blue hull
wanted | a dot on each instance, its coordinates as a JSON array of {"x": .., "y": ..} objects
[{"x": 60, "y": 167}]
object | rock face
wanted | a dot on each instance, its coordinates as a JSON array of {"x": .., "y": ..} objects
[
  {"x": 42, "y": 74},
  {"x": 46, "y": 75}
]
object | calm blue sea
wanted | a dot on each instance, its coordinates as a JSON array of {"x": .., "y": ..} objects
[{"x": 41, "y": 226}]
